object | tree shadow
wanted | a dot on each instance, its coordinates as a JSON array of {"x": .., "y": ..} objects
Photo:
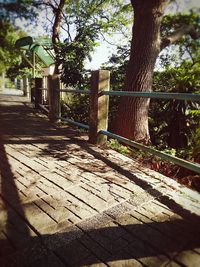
[
  {"x": 84, "y": 243},
  {"x": 143, "y": 241},
  {"x": 23, "y": 121},
  {"x": 151, "y": 244},
  {"x": 124, "y": 242},
  {"x": 169, "y": 202},
  {"x": 16, "y": 231},
  {"x": 58, "y": 148}
]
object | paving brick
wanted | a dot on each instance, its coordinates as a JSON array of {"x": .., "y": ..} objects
[
  {"x": 125, "y": 263},
  {"x": 6, "y": 247},
  {"x": 109, "y": 193},
  {"x": 101, "y": 253},
  {"x": 47, "y": 260},
  {"x": 65, "y": 202},
  {"x": 92, "y": 200},
  {"x": 172, "y": 263},
  {"x": 75, "y": 254},
  {"x": 188, "y": 258}
]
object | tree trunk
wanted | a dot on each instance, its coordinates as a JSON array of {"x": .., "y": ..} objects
[
  {"x": 132, "y": 119},
  {"x": 56, "y": 30}
]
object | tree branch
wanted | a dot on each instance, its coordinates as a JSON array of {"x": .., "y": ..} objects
[
  {"x": 57, "y": 22},
  {"x": 177, "y": 35}
]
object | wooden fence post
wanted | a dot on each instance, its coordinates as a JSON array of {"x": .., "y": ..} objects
[
  {"x": 32, "y": 89},
  {"x": 99, "y": 105},
  {"x": 38, "y": 92},
  {"x": 25, "y": 86},
  {"x": 3, "y": 81},
  {"x": 54, "y": 97}
]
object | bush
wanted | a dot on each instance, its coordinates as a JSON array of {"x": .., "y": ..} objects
[{"x": 76, "y": 107}]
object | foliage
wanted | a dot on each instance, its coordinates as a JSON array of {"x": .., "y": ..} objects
[
  {"x": 20, "y": 69},
  {"x": 73, "y": 66},
  {"x": 9, "y": 55},
  {"x": 11, "y": 61},
  {"x": 196, "y": 145},
  {"x": 11, "y": 12},
  {"x": 114, "y": 144},
  {"x": 85, "y": 22},
  {"x": 187, "y": 46},
  {"x": 169, "y": 169},
  {"x": 23, "y": 9},
  {"x": 172, "y": 123},
  {"x": 76, "y": 107},
  {"x": 172, "y": 22},
  {"x": 117, "y": 65}
]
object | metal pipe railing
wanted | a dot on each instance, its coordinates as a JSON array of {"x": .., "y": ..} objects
[
  {"x": 157, "y": 95},
  {"x": 181, "y": 162},
  {"x": 44, "y": 108},
  {"x": 153, "y": 95},
  {"x": 86, "y": 92},
  {"x": 75, "y": 123}
]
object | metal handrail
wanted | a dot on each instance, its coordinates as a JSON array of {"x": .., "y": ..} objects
[
  {"x": 79, "y": 124},
  {"x": 86, "y": 92},
  {"x": 44, "y": 108},
  {"x": 181, "y": 162},
  {"x": 157, "y": 95}
]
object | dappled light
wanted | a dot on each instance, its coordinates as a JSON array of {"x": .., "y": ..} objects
[
  {"x": 99, "y": 162},
  {"x": 65, "y": 202}
]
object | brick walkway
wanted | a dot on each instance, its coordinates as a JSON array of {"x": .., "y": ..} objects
[{"x": 67, "y": 203}]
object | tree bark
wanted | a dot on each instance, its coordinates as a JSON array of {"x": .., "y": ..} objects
[
  {"x": 132, "y": 119},
  {"x": 56, "y": 30}
]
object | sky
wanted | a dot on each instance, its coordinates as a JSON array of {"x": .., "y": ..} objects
[{"x": 102, "y": 53}]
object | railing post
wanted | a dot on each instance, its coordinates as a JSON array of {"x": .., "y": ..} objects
[
  {"x": 54, "y": 97},
  {"x": 25, "y": 86},
  {"x": 38, "y": 91},
  {"x": 46, "y": 92},
  {"x": 32, "y": 90},
  {"x": 99, "y": 105},
  {"x": 3, "y": 81}
]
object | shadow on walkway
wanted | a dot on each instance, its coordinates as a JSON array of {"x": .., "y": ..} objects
[
  {"x": 82, "y": 244},
  {"x": 16, "y": 230},
  {"x": 60, "y": 150},
  {"x": 142, "y": 242}
]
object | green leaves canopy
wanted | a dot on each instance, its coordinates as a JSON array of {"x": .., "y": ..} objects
[
  {"x": 22, "y": 9},
  {"x": 85, "y": 22},
  {"x": 9, "y": 55}
]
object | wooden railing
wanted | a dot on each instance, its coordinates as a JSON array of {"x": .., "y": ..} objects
[{"x": 99, "y": 108}]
